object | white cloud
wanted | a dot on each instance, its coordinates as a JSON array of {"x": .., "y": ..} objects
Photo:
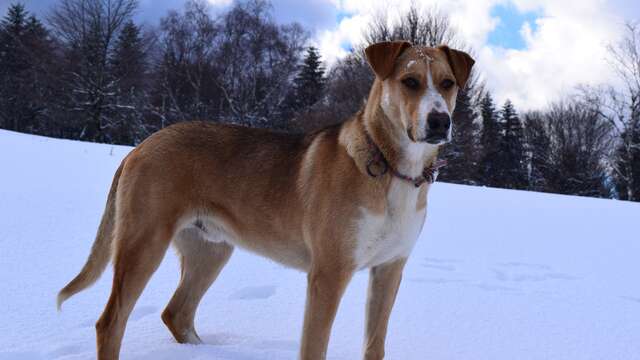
[
  {"x": 221, "y": 3},
  {"x": 565, "y": 48},
  {"x": 349, "y": 31},
  {"x": 568, "y": 48}
]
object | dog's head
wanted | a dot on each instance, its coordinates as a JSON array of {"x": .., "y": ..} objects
[{"x": 418, "y": 86}]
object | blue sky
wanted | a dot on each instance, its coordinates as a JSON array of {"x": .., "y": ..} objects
[
  {"x": 531, "y": 51},
  {"x": 312, "y": 13},
  {"x": 317, "y": 15},
  {"x": 507, "y": 32}
]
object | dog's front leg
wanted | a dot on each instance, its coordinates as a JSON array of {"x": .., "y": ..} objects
[
  {"x": 324, "y": 290},
  {"x": 384, "y": 281}
]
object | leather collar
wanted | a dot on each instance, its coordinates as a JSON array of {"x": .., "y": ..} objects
[{"x": 378, "y": 166}]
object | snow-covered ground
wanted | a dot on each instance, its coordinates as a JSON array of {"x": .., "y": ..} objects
[{"x": 496, "y": 275}]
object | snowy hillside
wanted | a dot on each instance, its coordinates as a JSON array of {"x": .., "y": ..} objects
[{"x": 496, "y": 275}]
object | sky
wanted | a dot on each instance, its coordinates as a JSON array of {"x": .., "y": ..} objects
[{"x": 531, "y": 51}]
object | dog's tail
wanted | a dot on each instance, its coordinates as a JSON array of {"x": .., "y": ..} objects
[{"x": 100, "y": 251}]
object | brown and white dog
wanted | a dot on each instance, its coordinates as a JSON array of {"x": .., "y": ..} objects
[{"x": 346, "y": 198}]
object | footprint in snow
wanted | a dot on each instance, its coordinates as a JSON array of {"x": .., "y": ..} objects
[
  {"x": 515, "y": 264},
  {"x": 543, "y": 277},
  {"x": 500, "y": 274},
  {"x": 88, "y": 323},
  {"x": 440, "y": 264},
  {"x": 435, "y": 280},
  {"x": 254, "y": 292},
  {"x": 630, "y": 298},
  {"x": 526, "y": 272},
  {"x": 489, "y": 287},
  {"x": 440, "y": 267}
]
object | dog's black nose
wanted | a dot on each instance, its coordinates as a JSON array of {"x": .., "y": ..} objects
[{"x": 438, "y": 122}]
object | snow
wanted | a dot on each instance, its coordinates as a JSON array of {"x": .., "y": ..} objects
[{"x": 496, "y": 274}]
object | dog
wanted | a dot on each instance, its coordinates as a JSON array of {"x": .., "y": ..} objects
[{"x": 349, "y": 197}]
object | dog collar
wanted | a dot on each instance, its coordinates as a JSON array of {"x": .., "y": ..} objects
[{"x": 378, "y": 161}]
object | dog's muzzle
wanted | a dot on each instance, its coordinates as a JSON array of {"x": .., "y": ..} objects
[{"x": 438, "y": 125}]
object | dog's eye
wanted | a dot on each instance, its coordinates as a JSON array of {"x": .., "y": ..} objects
[
  {"x": 447, "y": 84},
  {"x": 411, "y": 83}
]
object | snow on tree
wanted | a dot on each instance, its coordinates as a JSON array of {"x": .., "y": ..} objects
[
  {"x": 237, "y": 67},
  {"x": 538, "y": 149},
  {"x": 128, "y": 67},
  {"x": 89, "y": 29}
]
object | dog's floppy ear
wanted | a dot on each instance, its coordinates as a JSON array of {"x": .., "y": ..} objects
[
  {"x": 461, "y": 64},
  {"x": 382, "y": 56}
]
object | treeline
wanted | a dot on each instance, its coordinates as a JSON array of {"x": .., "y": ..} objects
[{"x": 92, "y": 73}]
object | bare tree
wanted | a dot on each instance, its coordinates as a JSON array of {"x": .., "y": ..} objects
[
  {"x": 89, "y": 29},
  {"x": 620, "y": 106},
  {"x": 186, "y": 70},
  {"x": 237, "y": 67},
  {"x": 429, "y": 27},
  {"x": 257, "y": 61},
  {"x": 568, "y": 146}
]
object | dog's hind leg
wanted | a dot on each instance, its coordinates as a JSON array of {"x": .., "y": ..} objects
[
  {"x": 201, "y": 262},
  {"x": 138, "y": 254}
]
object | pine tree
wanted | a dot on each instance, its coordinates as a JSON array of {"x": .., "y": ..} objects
[
  {"x": 26, "y": 51},
  {"x": 512, "y": 155},
  {"x": 14, "y": 27},
  {"x": 308, "y": 88},
  {"x": 128, "y": 70},
  {"x": 13, "y": 65},
  {"x": 308, "y": 85},
  {"x": 538, "y": 149},
  {"x": 489, "y": 167},
  {"x": 461, "y": 153},
  {"x": 128, "y": 60}
]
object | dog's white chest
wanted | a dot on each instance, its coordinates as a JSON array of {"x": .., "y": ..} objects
[{"x": 389, "y": 236}]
